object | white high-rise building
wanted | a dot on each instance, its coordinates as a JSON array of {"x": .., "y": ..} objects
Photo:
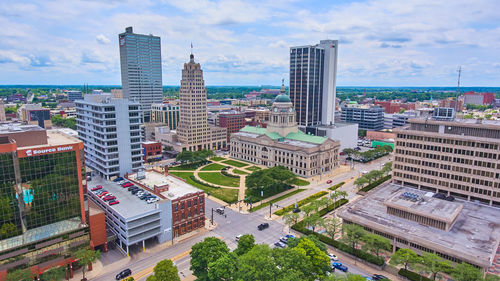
[
  {"x": 140, "y": 59},
  {"x": 110, "y": 129},
  {"x": 313, "y": 75}
]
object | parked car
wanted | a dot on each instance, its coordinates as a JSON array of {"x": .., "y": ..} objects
[
  {"x": 118, "y": 179},
  {"x": 333, "y": 257},
  {"x": 263, "y": 226},
  {"x": 135, "y": 191},
  {"x": 285, "y": 238},
  {"x": 378, "y": 277},
  {"x": 127, "y": 184},
  {"x": 297, "y": 210},
  {"x": 108, "y": 198},
  {"x": 329, "y": 181},
  {"x": 340, "y": 267},
  {"x": 132, "y": 188},
  {"x": 123, "y": 274},
  {"x": 144, "y": 196},
  {"x": 152, "y": 200},
  {"x": 280, "y": 244},
  {"x": 238, "y": 237},
  {"x": 114, "y": 202},
  {"x": 97, "y": 192},
  {"x": 220, "y": 211},
  {"x": 102, "y": 194},
  {"x": 96, "y": 188},
  {"x": 140, "y": 193}
]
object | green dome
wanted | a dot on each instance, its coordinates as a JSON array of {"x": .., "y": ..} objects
[{"x": 282, "y": 98}]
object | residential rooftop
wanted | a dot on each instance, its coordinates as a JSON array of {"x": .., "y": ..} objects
[{"x": 474, "y": 237}]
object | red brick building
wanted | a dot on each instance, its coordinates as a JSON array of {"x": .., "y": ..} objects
[
  {"x": 151, "y": 151},
  {"x": 233, "y": 121},
  {"x": 188, "y": 213},
  {"x": 391, "y": 107}
]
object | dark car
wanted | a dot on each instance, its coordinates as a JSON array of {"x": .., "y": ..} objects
[
  {"x": 135, "y": 191},
  {"x": 340, "y": 266},
  {"x": 133, "y": 187},
  {"x": 378, "y": 277},
  {"x": 297, "y": 210},
  {"x": 118, "y": 179},
  {"x": 123, "y": 274},
  {"x": 263, "y": 226}
]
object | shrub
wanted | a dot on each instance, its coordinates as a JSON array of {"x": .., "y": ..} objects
[
  {"x": 412, "y": 275},
  {"x": 375, "y": 184},
  {"x": 300, "y": 203},
  {"x": 225, "y": 173},
  {"x": 332, "y": 207},
  {"x": 336, "y": 186},
  {"x": 193, "y": 178}
]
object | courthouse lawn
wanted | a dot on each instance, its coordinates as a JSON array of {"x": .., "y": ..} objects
[
  {"x": 217, "y": 158},
  {"x": 219, "y": 179},
  {"x": 225, "y": 194},
  {"x": 239, "y": 172},
  {"x": 235, "y": 163},
  {"x": 213, "y": 167},
  {"x": 300, "y": 182},
  {"x": 253, "y": 168}
]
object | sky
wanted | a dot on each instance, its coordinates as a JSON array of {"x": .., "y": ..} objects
[{"x": 381, "y": 42}]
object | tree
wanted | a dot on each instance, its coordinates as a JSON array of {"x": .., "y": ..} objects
[
  {"x": 292, "y": 264},
  {"x": 373, "y": 243},
  {"x": 342, "y": 194},
  {"x": 361, "y": 181},
  {"x": 308, "y": 209},
  {"x": 86, "y": 257},
  {"x": 348, "y": 152},
  {"x": 270, "y": 180},
  {"x": 313, "y": 221},
  {"x": 331, "y": 226},
  {"x": 466, "y": 272},
  {"x": 257, "y": 265},
  {"x": 53, "y": 274},
  {"x": 361, "y": 133},
  {"x": 387, "y": 168},
  {"x": 165, "y": 271},
  {"x": 403, "y": 257},
  {"x": 387, "y": 148},
  {"x": 319, "y": 260},
  {"x": 245, "y": 244},
  {"x": 293, "y": 242},
  {"x": 324, "y": 202},
  {"x": 19, "y": 275},
  {"x": 205, "y": 252},
  {"x": 291, "y": 219},
  {"x": 374, "y": 175},
  {"x": 223, "y": 269},
  {"x": 352, "y": 234},
  {"x": 435, "y": 264},
  {"x": 185, "y": 156}
]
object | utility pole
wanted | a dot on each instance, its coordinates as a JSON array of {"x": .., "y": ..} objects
[
  {"x": 270, "y": 205},
  {"x": 212, "y": 219}
]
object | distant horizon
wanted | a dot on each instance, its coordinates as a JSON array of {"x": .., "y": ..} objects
[{"x": 277, "y": 86}]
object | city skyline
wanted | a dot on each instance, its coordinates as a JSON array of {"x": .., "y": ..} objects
[{"x": 382, "y": 42}]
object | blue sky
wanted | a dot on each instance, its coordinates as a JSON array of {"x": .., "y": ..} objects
[{"x": 382, "y": 42}]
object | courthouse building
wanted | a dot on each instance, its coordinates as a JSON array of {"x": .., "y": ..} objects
[{"x": 282, "y": 143}]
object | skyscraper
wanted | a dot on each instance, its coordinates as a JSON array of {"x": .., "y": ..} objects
[
  {"x": 313, "y": 73},
  {"x": 193, "y": 131},
  {"x": 140, "y": 59}
]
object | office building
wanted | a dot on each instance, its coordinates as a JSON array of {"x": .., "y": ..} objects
[
  {"x": 458, "y": 158},
  {"x": 2, "y": 112},
  {"x": 35, "y": 114},
  {"x": 370, "y": 118},
  {"x": 151, "y": 151},
  {"x": 391, "y": 107},
  {"x": 233, "y": 121},
  {"x": 193, "y": 131},
  {"x": 110, "y": 128},
  {"x": 42, "y": 219},
  {"x": 398, "y": 119},
  {"x": 451, "y": 102},
  {"x": 180, "y": 209},
  {"x": 458, "y": 231},
  {"x": 165, "y": 113},
  {"x": 140, "y": 60},
  {"x": 479, "y": 98},
  {"x": 313, "y": 75},
  {"x": 282, "y": 143},
  {"x": 16, "y": 98},
  {"x": 74, "y": 95}
]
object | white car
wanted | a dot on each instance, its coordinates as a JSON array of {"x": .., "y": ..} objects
[
  {"x": 332, "y": 257},
  {"x": 364, "y": 172},
  {"x": 238, "y": 237},
  {"x": 152, "y": 200},
  {"x": 140, "y": 193}
]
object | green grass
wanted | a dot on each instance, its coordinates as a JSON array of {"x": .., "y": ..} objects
[
  {"x": 338, "y": 185},
  {"x": 253, "y": 168},
  {"x": 300, "y": 182},
  {"x": 224, "y": 194},
  {"x": 217, "y": 158},
  {"x": 235, "y": 163},
  {"x": 219, "y": 179},
  {"x": 189, "y": 167},
  {"x": 213, "y": 167},
  {"x": 301, "y": 203},
  {"x": 276, "y": 200},
  {"x": 239, "y": 172}
]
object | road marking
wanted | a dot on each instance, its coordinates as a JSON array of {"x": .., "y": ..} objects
[{"x": 149, "y": 270}]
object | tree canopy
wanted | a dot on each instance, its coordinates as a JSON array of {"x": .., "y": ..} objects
[
  {"x": 270, "y": 181},
  {"x": 404, "y": 257},
  {"x": 194, "y": 156},
  {"x": 245, "y": 244},
  {"x": 165, "y": 271},
  {"x": 205, "y": 252}
]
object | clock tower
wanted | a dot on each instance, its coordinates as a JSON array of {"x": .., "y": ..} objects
[{"x": 282, "y": 116}]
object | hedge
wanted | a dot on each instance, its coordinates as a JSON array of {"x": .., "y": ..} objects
[
  {"x": 193, "y": 178},
  {"x": 275, "y": 200},
  {"x": 336, "y": 186},
  {"x": 225, "y": 173},
  {"x": 337, "y": 244},
  {"x": 375, "y": 183},
  {"x": 412, "y": 275},
  {"x": 302, "y": 202}
]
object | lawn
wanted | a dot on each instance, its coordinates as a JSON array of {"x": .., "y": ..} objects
[
  {"x": 217, "y": 158},
  {"x": 276, "y": 200},
  {"x": 235, "y": 163},
  {"x": 225, "y": 194},
  {"x": 239, "y": 172},
  {"x": 219, "y": 179},
  {"x": 189, "y": 167},
  {"x": 253, "y": 168},
  {"x": 300, "y": 182},
  {"x": 213, "y": 167}
]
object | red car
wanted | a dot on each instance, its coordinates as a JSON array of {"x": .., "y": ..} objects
[
  {"x": 103, "y": 194},
  {"x": 114, "y": 202},
  {"x": 329, "y": 181},
  {"x": 108, "y": 198},
  {"x": 127, "y": 184},
  {"x": 96, "y": 188}
]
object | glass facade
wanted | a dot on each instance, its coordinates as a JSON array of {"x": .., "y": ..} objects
[{"x": 10, "y": 224}]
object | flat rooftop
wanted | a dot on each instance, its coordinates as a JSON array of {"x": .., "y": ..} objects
[
  {"x": 18, "y": 128},
  {"x": 176, "y": 188},
  {"x": 130, "y": 206},
  {"x": 150, "y": 142},
  {"x": 425, "y": 205},
  {"x": 474, "y": 237}
]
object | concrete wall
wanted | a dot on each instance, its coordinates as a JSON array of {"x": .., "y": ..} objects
[
  {"x": 165, "y": 221},
  {"x": 347, "y": 134}
]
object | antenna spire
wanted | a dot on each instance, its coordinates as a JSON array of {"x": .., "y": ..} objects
[
  {"x": 459, "y": 70},
  {"x": 191, "y": 48}
]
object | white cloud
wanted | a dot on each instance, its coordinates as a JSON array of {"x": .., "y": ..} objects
[{"x": 101, "y": 39}]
